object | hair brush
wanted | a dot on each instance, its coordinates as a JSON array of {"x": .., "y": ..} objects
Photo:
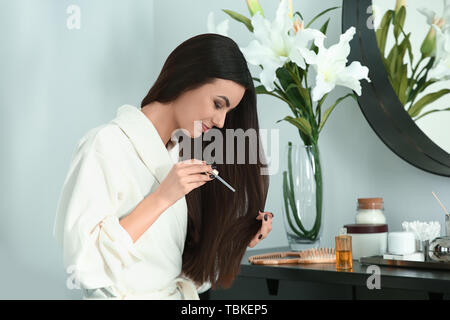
[{"x": 316, "y": 255}]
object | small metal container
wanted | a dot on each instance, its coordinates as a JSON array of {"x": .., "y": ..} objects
[
  {"x": 425, "y": 249},
  {"x": 439, "y": 249},
  {"x": 447, "y": 225},
  {"x": 421, "y": 245}
]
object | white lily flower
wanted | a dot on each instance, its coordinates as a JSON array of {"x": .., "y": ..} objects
[
  {"x": 441, "y": 66},
  {"x": 275, "y": 45},
  {"x": 331, "y": 69},
  {"x": 433, "y": 18},
  {"x": 221, "y": 28}
]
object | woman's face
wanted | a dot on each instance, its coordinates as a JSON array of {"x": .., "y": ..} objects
[{"x": 207, "y": 105}]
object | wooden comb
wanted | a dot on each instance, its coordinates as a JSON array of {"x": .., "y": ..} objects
[{"x": 316, "y": 255}]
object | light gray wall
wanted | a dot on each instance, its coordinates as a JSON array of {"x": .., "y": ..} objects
[{"x": 58, "y": 83}]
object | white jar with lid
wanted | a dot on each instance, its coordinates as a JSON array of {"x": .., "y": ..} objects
[
  {"x": 368, "y": 239},
  {"x": 401, "y": 242},
  {"x": 370, "y": 211}
]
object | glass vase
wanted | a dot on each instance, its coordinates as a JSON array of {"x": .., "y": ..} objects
[{"x": 302, "y": 196}]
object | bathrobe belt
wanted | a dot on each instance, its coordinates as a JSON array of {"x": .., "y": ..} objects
[{"x": 184, "y": 286}]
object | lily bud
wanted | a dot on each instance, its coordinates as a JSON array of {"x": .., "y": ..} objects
[
  {"x": 399, "y": 4},
  {"x": 439, "y": 22},
  {"x": 429, "y": 43},
  {"x": 253, "y": 7}
]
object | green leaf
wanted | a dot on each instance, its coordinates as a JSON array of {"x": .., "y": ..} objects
[
  {"x": 399, "y": 21},
  {"x": 395, "y": 66},
  {"x": 392, "y": 62},
  {"x": 403, "y": 83},
  {"x": 299, "y": 14},
  {"x": 241, "y": 18},
  {"x": 287, "y": 195},
  {"x": 421, "y": 86},
  {"x": 261, "y": 89},
  {"x": 291, "y": 86},
  {"x": 323, "y": 29},
  {"x": 427, "y": 99},
  {"x": 398, "y": 70},
  {"x": 319, "y": 15},
  {"x": 302, "y": 94},
  {"x": 256, "y": 79},
  {"x": 305, "y": 95},
  {"x": 383, "y": 29},
  {"x": 422, "y": 83},
  {"x": 284, "y": 77},
  {"x": 408, "y": 46},
  {"x": 405, "y": 46},
  {"x": 292, "y": 190},
  {"x": 300, "y": 123},
  {"x": 401, "y": 55},
  {"x": 330, "y": 109},
  {"x": 431, "y": 111},
  {"x": 286, "y": 82}
]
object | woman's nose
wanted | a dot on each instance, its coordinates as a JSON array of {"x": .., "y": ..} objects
[{"x": 219, "y": 121}]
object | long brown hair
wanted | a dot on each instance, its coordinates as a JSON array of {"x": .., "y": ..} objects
[{"x": 221, "y": 223}]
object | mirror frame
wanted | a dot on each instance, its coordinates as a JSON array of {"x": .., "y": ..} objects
[{"x": 379, "y": 102}]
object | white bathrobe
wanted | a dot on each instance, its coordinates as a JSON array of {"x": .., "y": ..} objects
[{"x": 113, "y": 168}]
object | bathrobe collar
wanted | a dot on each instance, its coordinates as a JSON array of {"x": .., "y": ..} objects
[{"x": 146, "y": 140}]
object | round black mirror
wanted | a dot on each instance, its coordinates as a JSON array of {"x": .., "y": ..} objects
[{"x": 380, "y": 103}]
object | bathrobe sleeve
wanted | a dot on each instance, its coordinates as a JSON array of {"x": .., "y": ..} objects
[{"x": 95, "y": 245}]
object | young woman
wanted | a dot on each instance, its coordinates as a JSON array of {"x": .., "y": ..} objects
[{"x": 135, "y": 221}]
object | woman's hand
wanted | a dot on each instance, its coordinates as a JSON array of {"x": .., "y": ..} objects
[
  {"x": 182, "y": 178},
  {"x": 266, "y": 227}
]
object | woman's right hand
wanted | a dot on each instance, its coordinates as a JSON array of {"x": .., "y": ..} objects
[{"x": 182, "y": 178}]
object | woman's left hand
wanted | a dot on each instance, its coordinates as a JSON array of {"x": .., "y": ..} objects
[{"x": 266, "y": 227}]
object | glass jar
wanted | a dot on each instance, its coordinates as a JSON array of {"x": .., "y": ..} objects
[{"x": 370, "y": 211}]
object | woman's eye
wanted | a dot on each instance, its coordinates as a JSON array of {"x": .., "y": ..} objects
[{"x": 218, "y": 106}]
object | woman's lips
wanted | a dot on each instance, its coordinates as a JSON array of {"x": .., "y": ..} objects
[{"x": 205, "y": 128}]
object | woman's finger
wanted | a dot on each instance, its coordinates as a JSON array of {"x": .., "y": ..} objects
[
  {"x": 260, "y": 235},
  {"x": 196, "y": 184},
  {"x": 257, "y": 238},
  {"x": 199, "y": 177},
  {"x": 265, "y": 217},
  {"x": 192, "y": 161},
  {"x": 197, "y": 168},
  {"x": 266, "y": 225},
  {"x": 266, "y": 212}
]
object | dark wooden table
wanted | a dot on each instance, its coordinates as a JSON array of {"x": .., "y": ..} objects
[{"x": 304, "y": 281}]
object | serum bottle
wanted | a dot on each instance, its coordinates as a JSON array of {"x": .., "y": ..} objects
[{"x": 343, "y": 245}]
